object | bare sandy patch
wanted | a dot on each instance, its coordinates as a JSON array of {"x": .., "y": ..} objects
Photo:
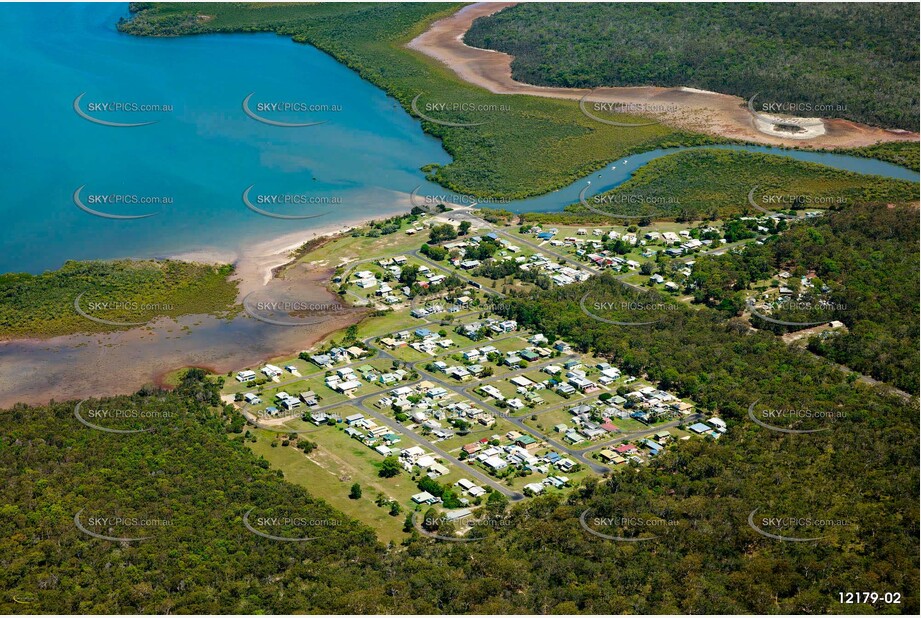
[{"x": 687, "y": 108}]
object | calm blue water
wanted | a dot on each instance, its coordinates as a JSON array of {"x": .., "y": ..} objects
[{"x": 200, "y": 156}]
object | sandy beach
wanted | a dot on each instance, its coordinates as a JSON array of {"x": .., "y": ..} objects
[
  {"x": 80, "y": 366},
  {"x": 685, "y": 108}
]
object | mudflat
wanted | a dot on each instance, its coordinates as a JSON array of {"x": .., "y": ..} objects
[{"x": 685, "y": 108}]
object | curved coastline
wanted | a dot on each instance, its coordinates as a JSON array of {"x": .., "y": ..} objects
[{"x": 701, "y": 111}]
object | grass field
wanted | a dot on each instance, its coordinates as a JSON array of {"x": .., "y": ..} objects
[{"x": 329, "y": 475}]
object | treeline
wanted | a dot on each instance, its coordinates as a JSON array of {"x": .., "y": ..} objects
[
  {"x": 842, "y": 60},
  {"x": 712, "y": 183},
  {"x": 120, "y": 291},
  {"x": 867, "y": 258},
  {"x": 865, "y": 460},
  {"x": 186, "y": 474}
]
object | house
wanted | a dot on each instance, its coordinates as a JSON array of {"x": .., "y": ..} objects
[
  {"x": 700, "y": 428},
  {"x": 252, "y": 398},
  {"x": 321, "y": 360},
  {"x": 527, "y": 442},
  {"x": 572, "y": 437},
  {"x": 354, "y": 418},
  {"x": 246, "y": 376},
  {"x": 521, "y": 381},
  {"x": 472, "y": 448},
  {"x": 472, "y": 355},
  {"x": 424, "y": 498},
  {"x": 492, "y": 391},
  {"x": 495, "y": 462},
  {"x": 607, "y": 455},
  {"x": 412, "y": 453},
  {"x": 349, "y": 386},
  {"x": 309, "y": 398},
  {"x": 565, "y": 464},
  {"x": 436, "y": 470},
  {"x": 565, "y": 389},
  {"x": 475, "y": 370},
  {"x": 271, "y": 371},
  {"x": 535, "y": 487}
]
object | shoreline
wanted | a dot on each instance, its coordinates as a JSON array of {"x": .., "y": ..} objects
[
  {"x": 697, "y": 110},
  {"x": 256, "y": 266},
  {"x": 81, "y": 365}
]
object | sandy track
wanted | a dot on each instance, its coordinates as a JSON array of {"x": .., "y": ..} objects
[{"x": 685, "y": 108}]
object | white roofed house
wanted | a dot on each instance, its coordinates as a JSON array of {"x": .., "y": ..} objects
[{"x": 271, "y": 371}]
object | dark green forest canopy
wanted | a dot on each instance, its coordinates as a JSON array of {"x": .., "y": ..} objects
[
  {"x": 868, "y": 257},
  {"x": 861, "y": 475},
  {"x": 861, "y": 56}
]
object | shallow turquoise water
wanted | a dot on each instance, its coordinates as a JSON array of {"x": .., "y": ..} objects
[{"x": 200, "y": 156}]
